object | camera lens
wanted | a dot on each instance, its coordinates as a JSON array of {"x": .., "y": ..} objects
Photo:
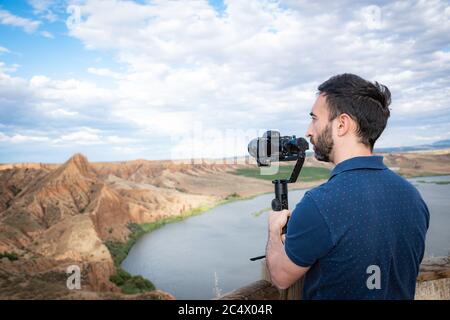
[{"x": 253, "y": 148}]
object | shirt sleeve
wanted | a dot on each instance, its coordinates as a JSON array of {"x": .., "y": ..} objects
[{"x": 308, "y": 237}]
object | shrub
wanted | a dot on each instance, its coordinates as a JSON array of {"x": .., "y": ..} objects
[
  {"x": 12, "y": 256},
  {"x": 131, "y": 284},
  {"x": 232, "y": 196}
]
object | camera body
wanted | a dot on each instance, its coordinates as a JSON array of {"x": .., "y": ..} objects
[{"x": 274, "y": 147}]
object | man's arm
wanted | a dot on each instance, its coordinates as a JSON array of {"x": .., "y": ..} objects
[{"x": 283, "y": 272}]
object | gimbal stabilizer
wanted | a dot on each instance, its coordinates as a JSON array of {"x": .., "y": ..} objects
[{"x": 285, "y": 149}]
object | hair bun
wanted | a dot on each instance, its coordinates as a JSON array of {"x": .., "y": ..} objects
[{"x": 383, "y": 95}]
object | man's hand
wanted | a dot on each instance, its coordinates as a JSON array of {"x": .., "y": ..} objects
[
  {"x": 277, "y": 220},
  {"x": 283, "y": 272}
]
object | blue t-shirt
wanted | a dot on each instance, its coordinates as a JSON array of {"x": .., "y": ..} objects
[{"x": 362, "y": 233}]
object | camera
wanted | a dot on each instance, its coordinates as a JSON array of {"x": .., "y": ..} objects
[{"x": 273, "y": 147}]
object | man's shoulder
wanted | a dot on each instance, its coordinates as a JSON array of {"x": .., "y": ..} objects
[
  {"x": 345, "y": 186},
  {"x": 323, "y": 190},
  {"x": 401, "y": 182}
]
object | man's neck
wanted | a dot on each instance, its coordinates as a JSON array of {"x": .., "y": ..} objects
[{"x": 343, "y": 153}]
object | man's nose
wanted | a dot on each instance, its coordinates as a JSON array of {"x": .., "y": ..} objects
[{"x": 308, "y": 132}]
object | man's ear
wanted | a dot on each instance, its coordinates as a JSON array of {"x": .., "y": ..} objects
[{"x": 344, "y": 124}]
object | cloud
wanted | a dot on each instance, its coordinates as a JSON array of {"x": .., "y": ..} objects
[
  {"x": 90, "y": 136},
  {"x": 4, "y": 50},
  {"x": 41, "y": 5},
  {"x": 407, "y": 134},
  {"x": 18, "y": 138},
  {"x": 15, "y": 98},
  {"x": 8, "y": 68},
  {"x": 103, "y": 72},
  {"x": 254, "y": 65},
  {"x": 261, "y": 56},
  {"x": 72, "y": 94},
  {"x": 46, "y": 104},
  {"x": 85, "y": 136},
  {"x": 27, "y": 25},
  {"x": 60, "y": 113},
  {"x": 47, "y": 34},
  {"x": 371, "y": 16},
  {"x": 45, "y": 8},
  {"x": 129, "y": 150}
]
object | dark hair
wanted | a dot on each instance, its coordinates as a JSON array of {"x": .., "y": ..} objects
[{"x": 365, "y": 102}]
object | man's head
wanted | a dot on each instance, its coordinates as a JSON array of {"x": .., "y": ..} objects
[{"x": 349, "y": 112}]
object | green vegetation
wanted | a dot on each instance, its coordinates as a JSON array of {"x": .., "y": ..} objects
[
  {"x": 11, "y": 256},
  {"x": 441, "y": 182},
  {"x": 435, "y": 182},
  {"x": 422, "y": 174},
  {"x": 260, "y": 212},
  {"x": 308, "y": 174},
  {"x": 131, "y": 284},
  {"x": 233, "y": 196}
]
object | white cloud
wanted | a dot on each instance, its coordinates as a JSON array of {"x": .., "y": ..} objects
[
  {"x": 71, "y": 93},
  {"x": 61, "y": 113},
  {"x": 4, "y": 68},
  {"x": 413, "y": 134},
  {"x": 103, "y": 72},
  {"x": 118, "y": 140},
  {"x": 129, "y": 150},
  {"x": 41, "y": 5},
  {"x": 44, "y": 8},
  {"x": 47, "y": 35},
  {"x": 90, "y": 136},
  {"x": 257, "y": 65},
  {"x": 27, "y": 25},
  {"x": 11, "y": 87},
  {"x": 371, "y": 16},
  {"x": 19, "y": 138},
  {"x": 4, "y": 50},
  {"x": 84, "y": 136},
  {"x": 185, "y": 60}
]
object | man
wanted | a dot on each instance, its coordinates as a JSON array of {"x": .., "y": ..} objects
[{"x": 360, "y": 235}]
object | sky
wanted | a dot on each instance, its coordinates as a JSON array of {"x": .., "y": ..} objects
[{"x": 120, "y": 80}]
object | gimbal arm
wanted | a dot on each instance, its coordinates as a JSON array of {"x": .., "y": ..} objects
[{"x": 280, "y": 202}]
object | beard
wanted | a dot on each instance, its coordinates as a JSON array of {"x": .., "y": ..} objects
[{"x": 324, "y": 145}]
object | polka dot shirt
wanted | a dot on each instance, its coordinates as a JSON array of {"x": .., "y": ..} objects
[{"x": 362, "y": 233}]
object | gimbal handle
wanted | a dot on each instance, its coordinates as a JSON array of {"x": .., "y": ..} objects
[{"x": 280, "y": 202}]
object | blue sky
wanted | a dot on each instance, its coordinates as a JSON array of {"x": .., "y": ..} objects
[{"x": 120, "y": 80}]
